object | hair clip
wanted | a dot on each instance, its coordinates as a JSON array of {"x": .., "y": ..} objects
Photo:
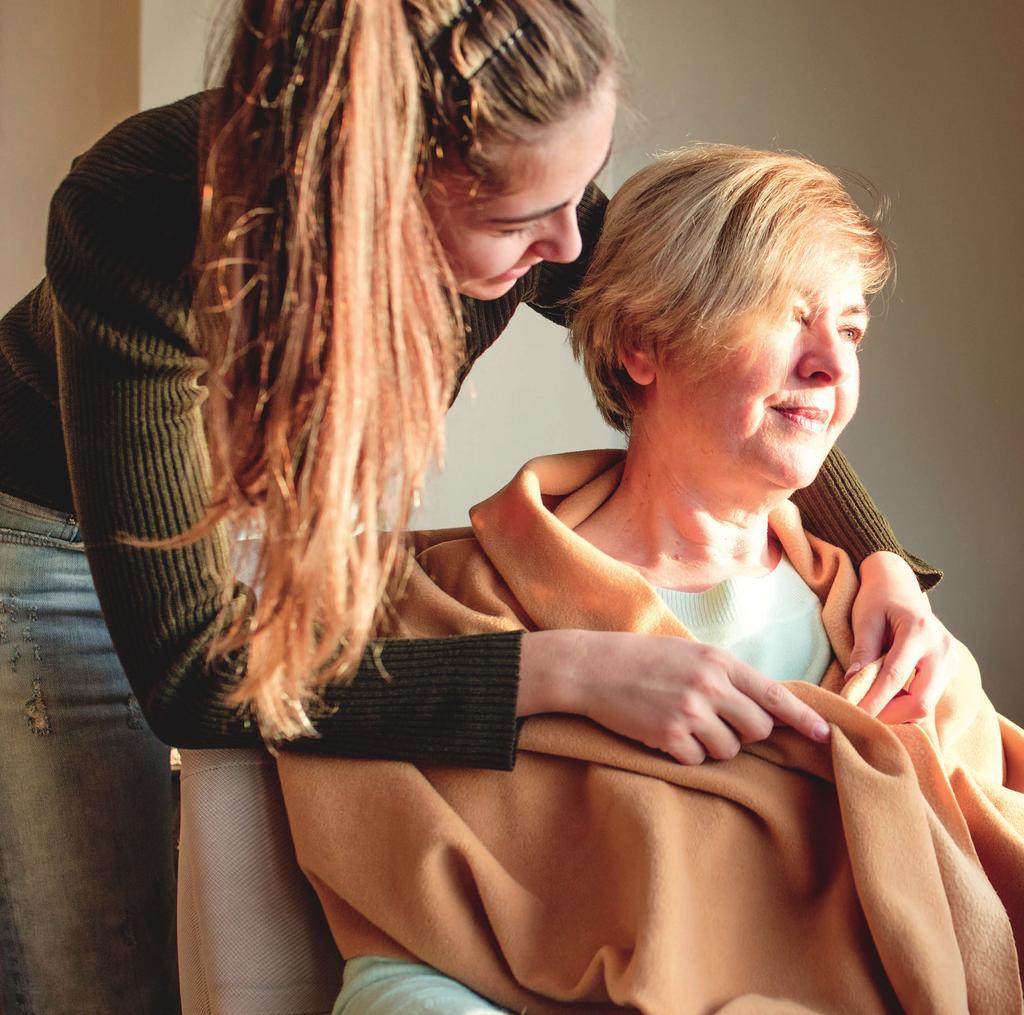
[
  {"x": 465, "y": 9},
  {"x": 510, "y": 41}
]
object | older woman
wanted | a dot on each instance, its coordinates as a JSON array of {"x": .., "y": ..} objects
[{"x": 719, "y": 326}]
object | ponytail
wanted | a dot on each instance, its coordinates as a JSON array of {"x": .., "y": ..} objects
[{"x": 328, "y": 314}]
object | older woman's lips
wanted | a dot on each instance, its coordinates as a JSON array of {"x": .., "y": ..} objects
[{"x": 804, "y": 416}]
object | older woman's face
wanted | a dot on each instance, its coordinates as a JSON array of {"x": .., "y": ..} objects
[{"x": 765, "y": 419}]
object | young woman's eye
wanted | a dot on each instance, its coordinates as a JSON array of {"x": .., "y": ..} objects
[
  {"x": 522, "y": 231},
  {"x": 853, "y": 333}
]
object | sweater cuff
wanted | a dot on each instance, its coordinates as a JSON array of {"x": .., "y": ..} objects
[
  {"x": 447, "y": 701},
  {"x": 838, "y": 509}
]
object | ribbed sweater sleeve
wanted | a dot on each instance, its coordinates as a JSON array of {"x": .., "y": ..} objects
[{"x": 130, "y": 388}]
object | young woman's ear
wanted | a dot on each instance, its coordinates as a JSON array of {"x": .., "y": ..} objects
[{"x": 639, "y": 365}]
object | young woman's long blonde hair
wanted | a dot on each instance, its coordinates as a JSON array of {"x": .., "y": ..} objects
[{"x": 324, "y": 303}]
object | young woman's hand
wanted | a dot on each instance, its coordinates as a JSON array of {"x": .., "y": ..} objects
[
  {"x": 892, "y": 617},
  {"x": 690, "y": 700}
]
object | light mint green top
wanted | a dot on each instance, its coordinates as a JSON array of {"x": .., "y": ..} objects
[{"x": 772, "y": 622}]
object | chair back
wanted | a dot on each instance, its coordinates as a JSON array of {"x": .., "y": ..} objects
[{"x": 252, "y": 939}]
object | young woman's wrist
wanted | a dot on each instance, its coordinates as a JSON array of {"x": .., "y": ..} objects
[
  {"x": 548, "y": 665},
  {"x": 886, "y": 564}
]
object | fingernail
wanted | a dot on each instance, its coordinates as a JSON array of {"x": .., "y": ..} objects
[
  {"x": 821, "y": 732},
  {"x": 854, "y": 669}
]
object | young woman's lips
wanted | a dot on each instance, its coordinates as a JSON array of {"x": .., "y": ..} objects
[
  {"x": 514, "y": 274},
  {"x": 805, "y": 417}
]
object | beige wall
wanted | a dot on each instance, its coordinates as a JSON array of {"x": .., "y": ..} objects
[
  {"x": 68, "y": 72},
  {"x": 173, "y": 42},
  {"x": 926, "y": 98}
]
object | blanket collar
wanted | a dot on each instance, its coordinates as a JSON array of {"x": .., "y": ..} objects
[{"x": 527, "y": 532}]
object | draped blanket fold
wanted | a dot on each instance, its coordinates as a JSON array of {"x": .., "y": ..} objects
[{"x": 881, "y": 872}]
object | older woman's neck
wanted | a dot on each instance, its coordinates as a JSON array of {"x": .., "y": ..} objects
[{"x": 681, "y": 531}]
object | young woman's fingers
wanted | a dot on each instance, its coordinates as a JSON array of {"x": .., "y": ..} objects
[
  {"x": 909, "y": 646},
  {"x": 780, "y": 702},
  {"x": 750, "y": 722},
  {"x": 869, "y": 636},
  {"x": 924, "y": 693},
  {"x": 889, "y": 682},
  {"x": 657, "y": 690},
  {"x": 717, "y": 739},
  {"x": 933, "y": 675},
  {"x": 686, "y": 749}
]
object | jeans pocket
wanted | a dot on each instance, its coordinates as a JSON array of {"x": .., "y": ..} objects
[{"x": 26, "y": 524}]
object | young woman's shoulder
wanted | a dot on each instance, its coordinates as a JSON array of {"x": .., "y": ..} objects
[
  {"x": 159, "y": 143},
  {"x": 122, "y": 227}
]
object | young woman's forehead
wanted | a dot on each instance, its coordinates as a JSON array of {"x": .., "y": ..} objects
[{"x": 559, "y": 160}]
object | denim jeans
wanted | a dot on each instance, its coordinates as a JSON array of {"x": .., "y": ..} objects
[{"x": 86, "y": 814}]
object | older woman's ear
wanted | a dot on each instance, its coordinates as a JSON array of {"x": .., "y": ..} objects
[{"x": 639, "y": 365}]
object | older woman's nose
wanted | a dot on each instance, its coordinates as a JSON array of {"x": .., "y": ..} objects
[
  {"x": 561, "y": 242},
  {"x": 829, "y": 355}
]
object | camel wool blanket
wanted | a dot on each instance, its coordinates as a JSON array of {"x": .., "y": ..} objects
[{"x": 881, "y": 872}]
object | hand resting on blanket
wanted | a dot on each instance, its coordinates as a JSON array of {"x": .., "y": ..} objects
[
  {"x": 694, "y": 700},
  {"x": 893, "y": 621},
  {"x": 686, "y": 698}
]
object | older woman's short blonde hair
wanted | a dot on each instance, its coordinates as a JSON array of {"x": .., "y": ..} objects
[{"x": 701, "y": 237}]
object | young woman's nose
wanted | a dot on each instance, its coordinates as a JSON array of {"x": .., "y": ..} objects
[
  {"x": 829, "y": 355},
  {"x": 561, "y": 240}
]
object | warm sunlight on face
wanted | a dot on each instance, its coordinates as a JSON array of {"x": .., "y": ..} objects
[
  {"x": 494, "y": 240},
  {"x": 768, "y": 415}
]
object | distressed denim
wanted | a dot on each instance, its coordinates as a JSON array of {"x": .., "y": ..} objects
[{"x": 86, "y": 802}]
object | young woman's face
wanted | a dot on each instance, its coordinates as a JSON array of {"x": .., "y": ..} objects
[{"x": 494, "y": 239}]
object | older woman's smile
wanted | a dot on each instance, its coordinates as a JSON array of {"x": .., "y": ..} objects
[{"x": 804, "y": 417}]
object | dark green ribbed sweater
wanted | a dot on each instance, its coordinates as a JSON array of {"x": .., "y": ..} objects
[{"x": 100, "y": 399}]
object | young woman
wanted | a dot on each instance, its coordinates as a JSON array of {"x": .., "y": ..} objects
[{"x": 258, "y": 304}]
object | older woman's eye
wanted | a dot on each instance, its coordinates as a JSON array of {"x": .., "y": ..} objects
[{"x": 853, "y": 333}]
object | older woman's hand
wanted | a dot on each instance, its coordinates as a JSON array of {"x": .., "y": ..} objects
[
  {"x": 690, "y": 700},
  {"x": 892, "y": 617}
]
